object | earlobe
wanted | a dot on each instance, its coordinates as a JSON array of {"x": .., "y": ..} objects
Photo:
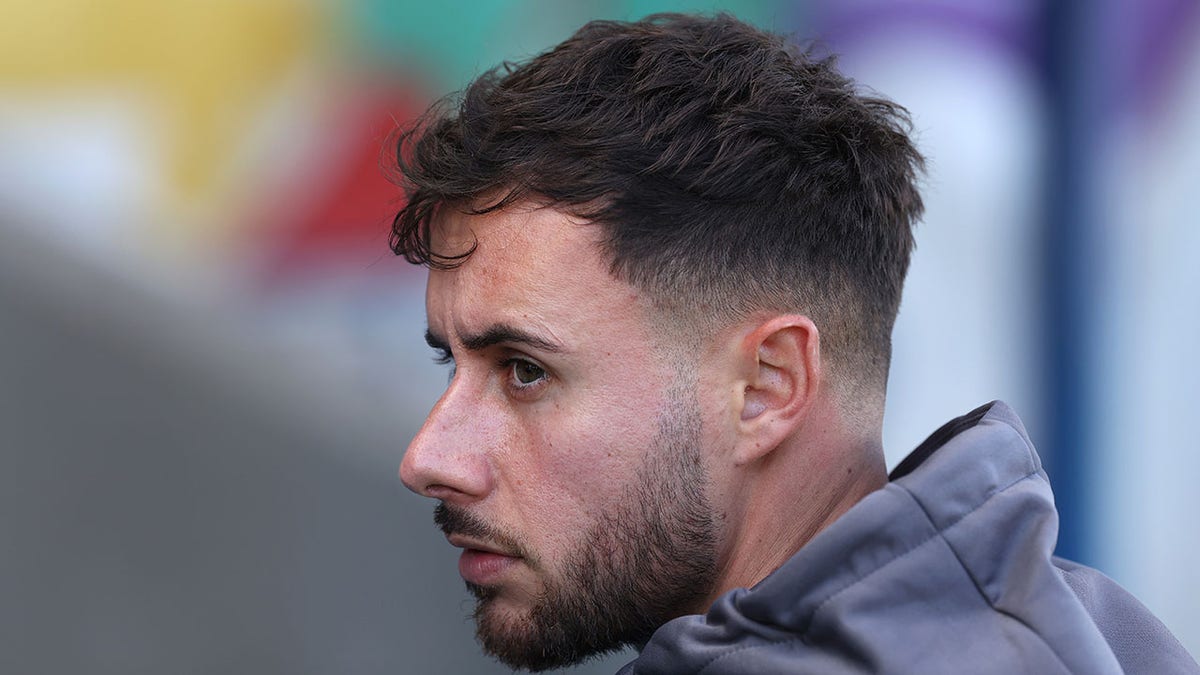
[{"x": 781, "y": 360}]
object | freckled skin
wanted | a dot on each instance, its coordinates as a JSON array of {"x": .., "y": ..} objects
[
  {"x": 608, "y": 460},
  {"x": 545, "y": 463},
  {"x": 625, "y": 480}
]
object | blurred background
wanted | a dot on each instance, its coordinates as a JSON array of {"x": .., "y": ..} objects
[{"x": 210, "y": 363}]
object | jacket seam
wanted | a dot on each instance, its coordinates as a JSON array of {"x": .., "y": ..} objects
[
  {"x": 801, "y": 637},
  {"x": 941, "y": 533},
  {"x": 975, "y": 581}
]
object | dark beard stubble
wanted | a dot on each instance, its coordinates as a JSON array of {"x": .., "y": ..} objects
[{"x": 651, "y": 559}]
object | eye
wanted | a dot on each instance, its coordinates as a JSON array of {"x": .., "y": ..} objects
[{"x": 526, "y": 373}]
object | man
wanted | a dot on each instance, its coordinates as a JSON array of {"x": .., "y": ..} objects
[{"x": 665, "y": 260}]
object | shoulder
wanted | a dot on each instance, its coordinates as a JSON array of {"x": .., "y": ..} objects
[{"x": 1141, "y": 643}]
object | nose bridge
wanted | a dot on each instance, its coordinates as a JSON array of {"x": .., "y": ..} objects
[{"x": 448, "y": 458}]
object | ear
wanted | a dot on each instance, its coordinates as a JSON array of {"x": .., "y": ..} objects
[{"x": 780, "y": 360}]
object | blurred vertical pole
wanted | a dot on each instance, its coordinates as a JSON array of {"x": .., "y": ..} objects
[{"x": 1073, "y": 61}]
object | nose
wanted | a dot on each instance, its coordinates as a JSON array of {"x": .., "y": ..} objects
[{"x": 448, "y": 458}]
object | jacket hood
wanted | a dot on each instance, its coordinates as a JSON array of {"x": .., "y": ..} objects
[{"x": 952, "y": 557}]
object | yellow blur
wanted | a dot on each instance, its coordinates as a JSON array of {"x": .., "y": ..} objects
[{"x": 204, "y": 67}]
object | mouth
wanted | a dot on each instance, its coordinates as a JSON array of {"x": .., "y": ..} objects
[{"x": 481, "y": 563}]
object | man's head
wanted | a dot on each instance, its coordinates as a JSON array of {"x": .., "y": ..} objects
[
  {"x": 654, "y": 251},
  {"x": 731, "y": 174}
]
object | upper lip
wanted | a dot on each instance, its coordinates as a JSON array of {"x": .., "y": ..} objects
[{"x": 463, "y": 541}]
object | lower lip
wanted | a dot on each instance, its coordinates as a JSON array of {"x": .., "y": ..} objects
[{"x": 483, "y": 567}]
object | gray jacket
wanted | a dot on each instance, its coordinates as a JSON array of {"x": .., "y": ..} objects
[{"x": 947, "y": 569}]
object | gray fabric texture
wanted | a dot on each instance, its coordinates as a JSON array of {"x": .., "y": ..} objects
[{"x": 947, "y": 569}]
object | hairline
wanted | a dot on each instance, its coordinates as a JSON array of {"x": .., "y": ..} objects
[{"x": 691, "y": 320}]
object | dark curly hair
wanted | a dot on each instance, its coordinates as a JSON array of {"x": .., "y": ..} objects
[{"x": 731, "y": 171}]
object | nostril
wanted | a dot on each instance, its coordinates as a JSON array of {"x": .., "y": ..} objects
[{"x": 442, "y": 492}]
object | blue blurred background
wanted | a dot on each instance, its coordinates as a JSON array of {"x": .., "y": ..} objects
[{"x": 210, "y": 364}]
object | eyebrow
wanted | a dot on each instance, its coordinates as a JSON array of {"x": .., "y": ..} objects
[{"x": 497, "y": 334}]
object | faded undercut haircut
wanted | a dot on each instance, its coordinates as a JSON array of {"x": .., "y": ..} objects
[{"x": 732, "y": 173}]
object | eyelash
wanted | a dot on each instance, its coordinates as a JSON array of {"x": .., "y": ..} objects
[
  {"x": 443, "y": 357},
  {"x": 507, "y": 365}
]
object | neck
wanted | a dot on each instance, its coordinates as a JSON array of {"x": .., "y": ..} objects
[{"x": 790, "y": 496}]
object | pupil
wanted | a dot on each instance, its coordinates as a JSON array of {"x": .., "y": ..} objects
[{"x": 527, "y": 373}]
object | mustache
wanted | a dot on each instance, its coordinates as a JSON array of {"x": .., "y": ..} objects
[{"x": 457, "y": 520}]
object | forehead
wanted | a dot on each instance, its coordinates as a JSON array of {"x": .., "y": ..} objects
[{"x": 531, "y": 266}]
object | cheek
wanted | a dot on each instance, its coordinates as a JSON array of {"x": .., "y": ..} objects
[{"x": 581, "y": 461}]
